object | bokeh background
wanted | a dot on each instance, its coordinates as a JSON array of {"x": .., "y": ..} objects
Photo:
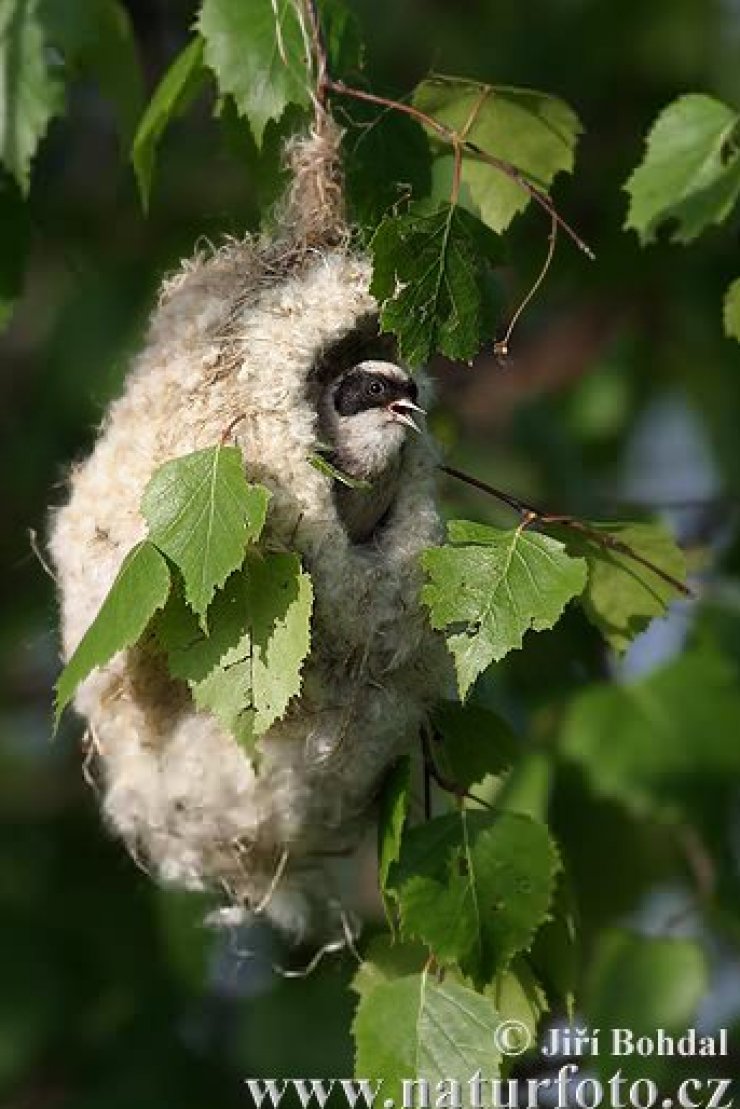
[{"x": 620, "y": 391}]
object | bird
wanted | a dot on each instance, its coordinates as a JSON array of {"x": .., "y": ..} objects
[{"x": 364, "y": 417}]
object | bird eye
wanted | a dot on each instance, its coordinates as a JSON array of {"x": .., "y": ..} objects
[{"x": 375, "y": 388}]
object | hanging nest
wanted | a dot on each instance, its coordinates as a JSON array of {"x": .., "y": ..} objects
[{"x": 248, "y": 336}]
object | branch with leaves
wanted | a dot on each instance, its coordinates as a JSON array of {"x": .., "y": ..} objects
[{"x": 480, "y": 914}]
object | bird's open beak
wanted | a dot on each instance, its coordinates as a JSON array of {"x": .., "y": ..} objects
[{"x": 401, "y": 411}]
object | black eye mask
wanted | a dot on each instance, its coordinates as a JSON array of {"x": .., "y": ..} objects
[{"x": 360, "y": 390}]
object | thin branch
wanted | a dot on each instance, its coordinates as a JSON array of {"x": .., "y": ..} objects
[
  {"x": 531, "y": 515},
  {"x": 228, "y": 431},
  {"x": 533, "y": 192},
  {"x": 453, "y": 138},
  {"x": 458, "y": 139}
]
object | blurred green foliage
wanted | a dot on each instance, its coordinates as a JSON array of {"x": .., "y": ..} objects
[{"x": 112, "y": 992}]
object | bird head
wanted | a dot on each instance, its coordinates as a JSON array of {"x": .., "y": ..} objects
[{"x": 371, "y": 406}]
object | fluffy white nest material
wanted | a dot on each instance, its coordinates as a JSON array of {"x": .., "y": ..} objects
[{"x": 241, "y": 334}]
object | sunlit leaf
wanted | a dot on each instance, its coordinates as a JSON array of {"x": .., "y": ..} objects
[
  {"x": 521, "y": 1003},
  {"x": 31, "y": 94},
  {"x": 488, "y": 587},
  {"x": 385, "y": 959},
  {"x": 140, "y": 589},
  {"x": 247, "y": 666},
  {"x": 257, "y": 52},
  {"x": 202, "y": 513},
  {"x": 622, "y": 596},
  {"x": 418, "y": 1028},
  {"x": 392, "y": 812},
  {"x": 532, "y": 131},
  {"x": 690, "y": 175}
]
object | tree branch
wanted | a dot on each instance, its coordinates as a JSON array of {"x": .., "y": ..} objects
[
  {"x": 456, "y": 141},
  {"x": 531, "y": 515}
]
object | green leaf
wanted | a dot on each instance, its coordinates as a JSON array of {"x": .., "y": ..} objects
[
  {"x": 324, "y": 466},
  {"x": 385, "y": 960},
  {"x": 257, "y": 52},
  {"x": 643, "y": 983},
  {"x": 690, "y": 175},
  {"x": 622, "y": 596},
  {"x": 30, "y": 93},
  {"x": 227, "y": 692},
  {"x": 280, "y": 603},
  {"x": 534, "y": 132},
  {"x": 664, "y": 746},
  {"x": 555, "y": 953},
  {"x": 202, "y": 513},
  {"x": 387, "y": 160},
  {"x": 475, "y": 887},
  {"x": 192, "y": 653},
  {"x": 96, "y": 39},
  {"x": 490, "y": 586},
  {"x": 475, "y": 743},
  {"x": 392, "y": 812},
  {"x": 342, "y": 37},
  {"x": 15, "y": 232},
  {"x": 432, "y": 277},
  {"x": 731, "y": 310},
  {"x": 140, "y": 589},
  {"x": 246, "y": 668},
  {"x": 418, "y": 1028},
  {"x": 519, "y": 999},
  {"x": 180, "y": 85},
  {"x": 527, "y": 787}
]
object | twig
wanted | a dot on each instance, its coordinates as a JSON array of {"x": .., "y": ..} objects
[
  {"x": 326, "y": 84},
  {"x": 534, "y": 193},
  {"x": 228, "y": 431},
  {"x": 458, "y": 139},
  {"x": 450, "y": 136},
  {"x": 531, "y": 515}
]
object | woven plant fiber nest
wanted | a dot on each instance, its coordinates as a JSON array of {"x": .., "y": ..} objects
[{"x": 246, "y": 337}]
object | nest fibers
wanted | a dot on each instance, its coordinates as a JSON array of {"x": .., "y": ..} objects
[{"x": 248, "y": 336}]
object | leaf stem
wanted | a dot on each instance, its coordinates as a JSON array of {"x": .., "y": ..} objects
[{"x": 531, "y": 515}]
